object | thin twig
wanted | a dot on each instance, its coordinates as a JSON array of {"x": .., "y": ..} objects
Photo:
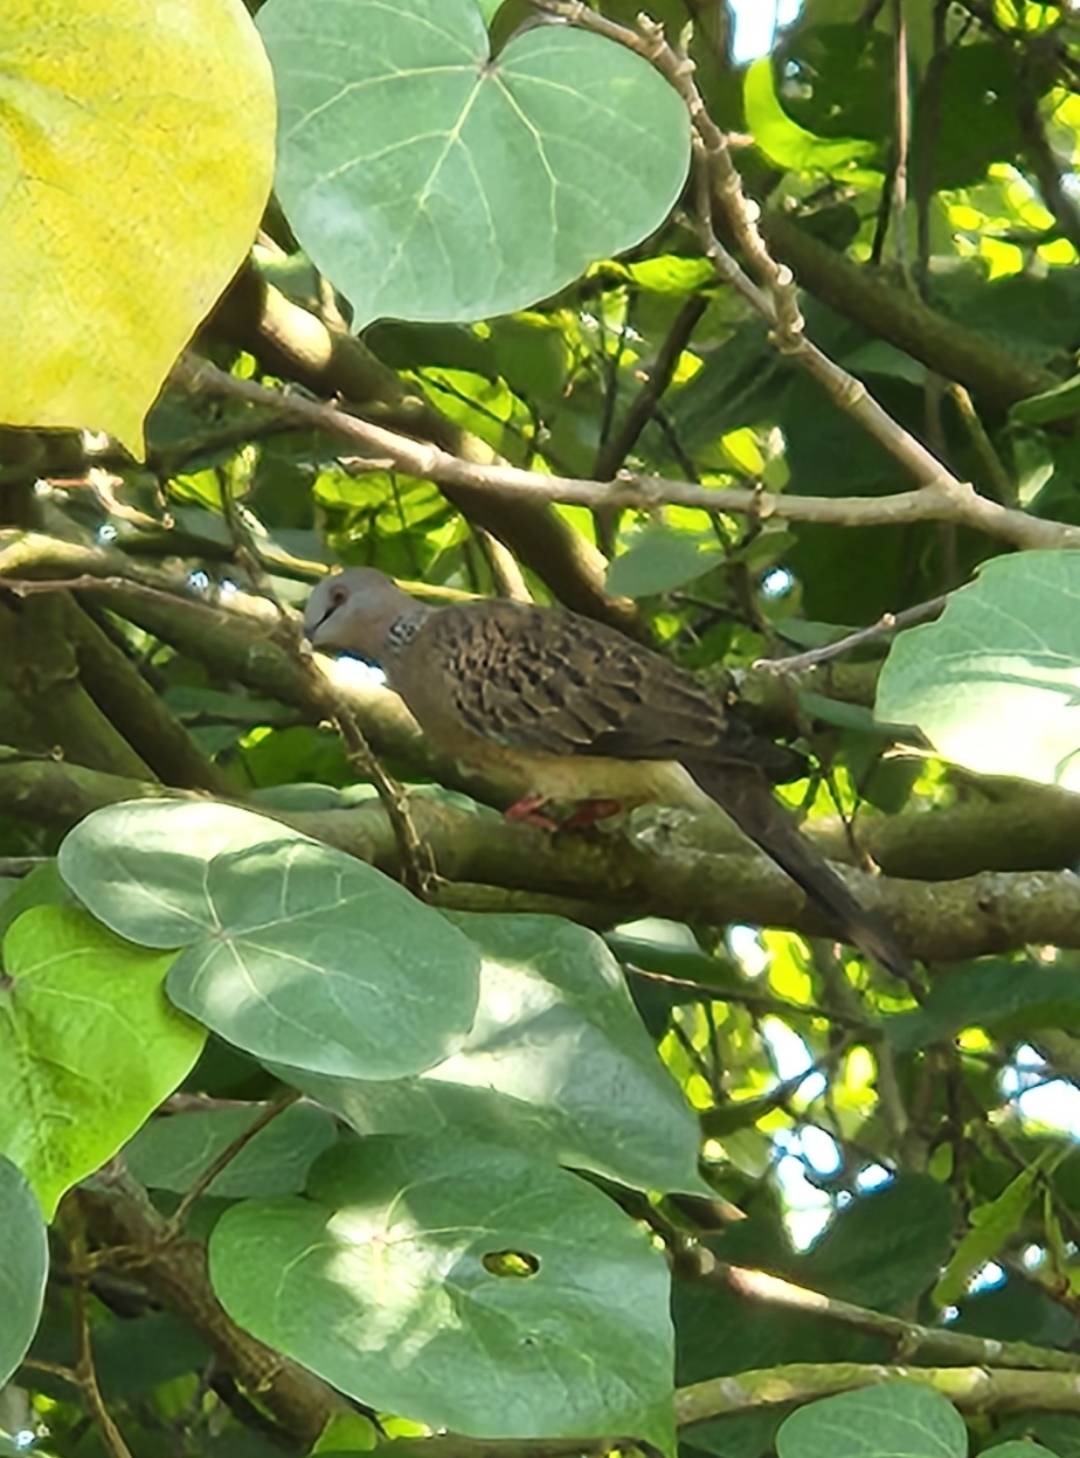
[
  {"x": 760, "y": 1001},
  {"x": 52, "y": 1369},
  {"x": 85, "y": 582},
  {"x": 1001, "y": 482},
  {"x": 85, "y": 1371},
  {"x": 506, "y": 574},
  {"x": 175, "y": 1224},
  {"x": 959, "y": 1347},
  {"x": 941, "y": 498},
  {"x": 928, "y": 101},
  {"x": 16, "y": 866},
  {"x": 887, "y": 623},
  {"x": 903, "y": 138},
  {"x": 417, "y": 867}
]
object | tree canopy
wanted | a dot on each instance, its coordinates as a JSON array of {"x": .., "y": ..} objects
[{"x": 342, "y": 1111}]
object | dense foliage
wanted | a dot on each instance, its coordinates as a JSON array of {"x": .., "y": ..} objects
[{"x": 339, "y": 1110}]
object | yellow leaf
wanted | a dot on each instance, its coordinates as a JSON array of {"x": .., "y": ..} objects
[{"x": 136, "y": 156}]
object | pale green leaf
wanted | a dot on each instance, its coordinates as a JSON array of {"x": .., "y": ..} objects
[
  {"x": 994, "y": 684},
  {"x": 170, "y": 1154},
  {"x": 992, "y": 1225},
  {"x": 293, "y": 951},
  {"x": 552, "y": 1003},
  {"x": 24, "y": 1264},
  {"x": 348, "y": 1434},
  {"x": 785, "y": 142},
  {"x": 1060, "y": 403},
  {"x": 661, "y": 560},
  {"x": 430, "y": 181},
  {"x": 1057, "y": 1433},
  {"x": 461, "y": 1286},
  {"x": 1018, "y": 996},
  {"x": 895, "y": 1420}
]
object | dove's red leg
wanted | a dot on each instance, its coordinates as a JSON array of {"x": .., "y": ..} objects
[
  {"x": 527, "y": 810},
  {"x": 586, "y": 813}
]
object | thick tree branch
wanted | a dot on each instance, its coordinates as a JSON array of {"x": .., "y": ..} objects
[
  {"x": 39, "y": 667},
  {"x": 626, "y": 875},
  {"x": 137, "y": 711},
  {"x": 1026, "y": 827},
  {"x": 974, "y": 1390},
  {"x": 657, "y": 379},
  {"x": 1008, "y": 826},
  {"x": 995, "y": 375}
]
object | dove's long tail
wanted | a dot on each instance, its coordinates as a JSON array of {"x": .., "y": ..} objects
[{"x": 749, "y": 801}]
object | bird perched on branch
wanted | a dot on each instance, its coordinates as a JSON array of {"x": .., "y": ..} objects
[{"x": 560, "y": 709}]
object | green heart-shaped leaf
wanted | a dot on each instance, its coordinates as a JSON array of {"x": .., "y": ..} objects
[
  {"x": 295, "y": 952},
  {"x": 902, "y": 1419},
  {"x": 89, "y": 1046},
  {"x": 429, "y": 180},
  {"x": 552, "y": 1000},
  {"x": 170, "y": 1154},
  {"x": 462, "y": 1286},
  {"x": 994, "y": 684}
]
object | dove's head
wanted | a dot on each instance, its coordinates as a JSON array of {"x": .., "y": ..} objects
[{"x": 361, "y": 611}]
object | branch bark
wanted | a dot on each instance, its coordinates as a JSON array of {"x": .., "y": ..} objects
[
  {"x": 972, "y": 1389},
  {"x": 41, "y": 671},
  {"x": 136, "y": 710},
  {"x": 626, "y": 875},
  {"x": 175, "y": 1272},
  {"x": 1005, "y": 826},
  {"x": 941, "y": 496}
]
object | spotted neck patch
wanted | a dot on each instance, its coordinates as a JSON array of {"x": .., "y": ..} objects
[{"x": 403, "y": 630}]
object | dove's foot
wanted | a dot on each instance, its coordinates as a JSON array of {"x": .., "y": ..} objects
[{"x": 584, "y": 814}]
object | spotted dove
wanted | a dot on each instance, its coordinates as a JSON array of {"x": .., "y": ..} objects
[{"x": 558, "y": 708}]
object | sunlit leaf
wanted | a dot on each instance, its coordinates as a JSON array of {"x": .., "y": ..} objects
[
  {"x": 382, "y": 1287},
  {"x": 291, "y": 950},
  {"x": 136, "y": 152},
  {"x": 992, "y": 1225},
  {"x": 994, "y": 683},
  {"x": 552, "y": 1001},
  {"x": 430, "y": 181},
  {"x": 89, "y": 1046}
]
